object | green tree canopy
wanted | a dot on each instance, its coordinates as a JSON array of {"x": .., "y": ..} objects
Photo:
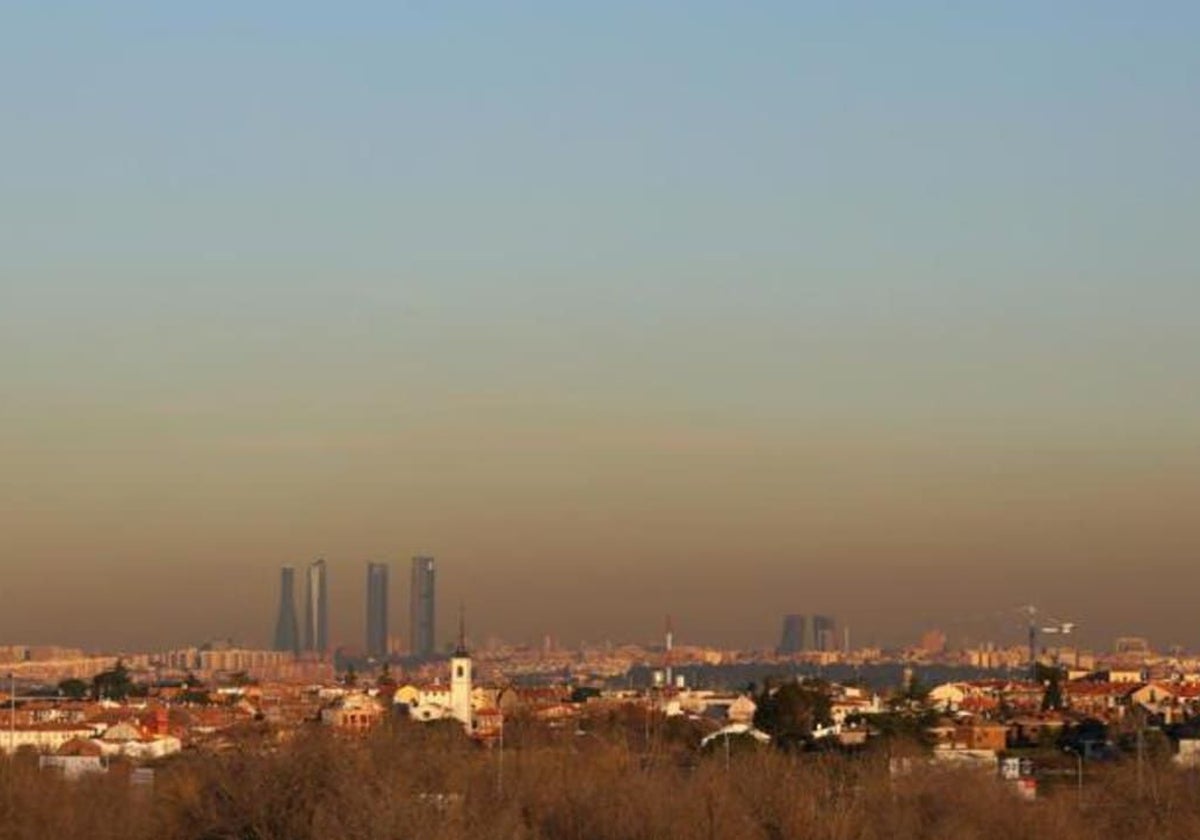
[
  {"x": 790, "y": 713},
  {"x": 73, "y": 688},
  {"x": 113, "y": 684},
  {"x": 1052, "y": 696}
]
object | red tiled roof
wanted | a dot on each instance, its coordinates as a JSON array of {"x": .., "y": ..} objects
[
  {"x": 1084, "y": 688},
  {"x": 979, "y": 704}
]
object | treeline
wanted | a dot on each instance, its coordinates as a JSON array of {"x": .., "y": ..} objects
[{"x": 413, "y": 781}]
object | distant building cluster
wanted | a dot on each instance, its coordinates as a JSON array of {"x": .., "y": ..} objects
[
  {"x": 807, "y": 633},
  {"x": 223, "y": 659},
  {"x": 220, "y": 695},
  {"x": 11, "y": 654},
  {"x": 312, "y": 639}
]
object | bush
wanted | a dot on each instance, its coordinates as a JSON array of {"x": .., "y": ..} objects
[{"x": 419, "y": 781}]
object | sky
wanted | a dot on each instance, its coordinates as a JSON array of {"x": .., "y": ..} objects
[{"x": 721, "y": 310}]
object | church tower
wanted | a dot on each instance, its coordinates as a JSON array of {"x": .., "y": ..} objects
[{"x": 460, "y": 678}]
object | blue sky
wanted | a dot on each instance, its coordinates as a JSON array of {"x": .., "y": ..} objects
[{"x": 930, "y": 229}]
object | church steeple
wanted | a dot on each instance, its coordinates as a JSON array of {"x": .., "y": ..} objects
[
  {"x": 461, "y": 649},
  {"x": 460, "y": 675}
]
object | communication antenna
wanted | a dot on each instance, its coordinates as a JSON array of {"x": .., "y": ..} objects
[
  {"x": 462, "y": 630},
  {"x": 670, "y": 644}
]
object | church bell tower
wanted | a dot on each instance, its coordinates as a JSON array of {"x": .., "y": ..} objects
[{"x": 460, "y": 678}]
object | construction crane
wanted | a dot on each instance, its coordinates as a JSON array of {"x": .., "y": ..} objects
[
  {"x": 1058, "y": 628},
  {"x": 1051, "y": 627},
  {"x": 1061, "y": 627}
]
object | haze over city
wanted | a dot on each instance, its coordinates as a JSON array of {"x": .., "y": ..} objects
[{"x": 717, "y": 311}]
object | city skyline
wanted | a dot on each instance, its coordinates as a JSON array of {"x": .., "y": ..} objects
[
  {"x": 884, "y": 312},
  {"x": 994, "y": 622},
  {"x": 800, "y": 401},
  {"x": 813, "y": 632}
]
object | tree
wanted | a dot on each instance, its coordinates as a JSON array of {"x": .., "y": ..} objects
[
  {"x": 900, "y": 726},
  {"x": 583, "y": 693},
  {"x": 113, "y": 684},
  {"x": 1088, "y": 737},
  {"x": 732, "y": 744},
  {"x": 386, "y": 683},
  {"x": 911, "y": 697},
  {"x": 790, "y": 713},
  {"x": 194, "y": 690},
  {"x": 679, "y": 730},
  {"x": 191, "y": 681},
  {"x": 1052, "y": 697},
  {"x": 73, "y": 689},
  {"x": 195, "y": 696}
]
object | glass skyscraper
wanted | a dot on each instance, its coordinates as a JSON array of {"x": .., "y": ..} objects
[
  {"x": 804, "y": 633},
  {"x": 377, "y": 610},
  {"x": 316, "y": 609},
  {"x": 287, "y": 632},
  {"x": 791, "y": 640},
  {"x": 824, "y": 633},
  {"x": 421, "y": 608}
]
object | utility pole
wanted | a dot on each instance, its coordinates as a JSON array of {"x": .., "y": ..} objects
[
  {"x": 12, "y": 713},
  {"x": 1141, "y": 754},
  {"x": 500, "y": 760},
  {"x": 1033, "y": 668},
  {"x": 1079, "y": 779},
  {"x": 12, "y": 731},
  {"x": 669, "y": 646},
  {"x": 646, "y": 724},
  {"x": 1078, "y": 775}
]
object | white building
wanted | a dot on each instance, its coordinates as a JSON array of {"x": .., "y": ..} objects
[
  {"x": 458, "y": 701},
  {"x": 43, "y": 737},
  {"x": 460, "y": 685}
]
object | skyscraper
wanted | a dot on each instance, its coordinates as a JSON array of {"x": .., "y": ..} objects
[
  {"x": 804, "y": 633},
  {"x": 377, "y": 610},
  {"x": 824, "y": 635},
  {"x": 287, "y": 634},
  {"x": 316, "y": 609},
  {"x": 421, "y": 607},
  {"x": 791, "y": 640}
]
